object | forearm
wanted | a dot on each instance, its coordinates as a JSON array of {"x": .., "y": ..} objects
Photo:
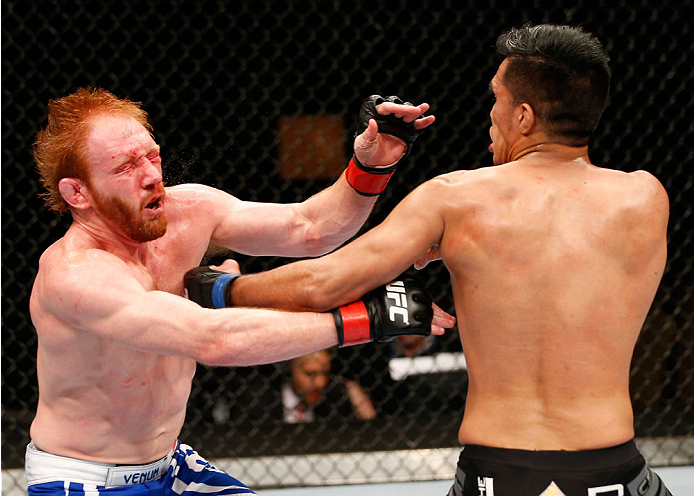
[
  {"x": 247, "y": 337},
  {"x": 341, "y": 277},
  {"x": 163, "y": 323},
  {"x": 330, "y": 281},
  {"x": 403, "y": 306},
  {"x": 295, "y": 287},
  {"x": 373, "y": 259},
  {"x": 386, "y": 130},
  {"x": 335, "y": 214},
  {"x": 319, "y": 284}
]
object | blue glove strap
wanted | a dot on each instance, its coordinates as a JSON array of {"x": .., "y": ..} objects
[{"x": 219, "y": 289}]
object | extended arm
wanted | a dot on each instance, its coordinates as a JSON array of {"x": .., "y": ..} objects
[
  {"x": 326, "y": 220},
  {"x": 402, "y": 306},
  {"x": 98, "y": 298}
]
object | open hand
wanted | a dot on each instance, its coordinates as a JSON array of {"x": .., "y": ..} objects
[{"x": 379, "y": 149}]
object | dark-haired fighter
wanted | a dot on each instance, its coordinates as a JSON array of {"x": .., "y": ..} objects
[{"x": 554, "y": 264}]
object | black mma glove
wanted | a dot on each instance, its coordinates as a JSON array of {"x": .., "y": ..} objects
[
  {"x": 209, "y": 287},
  {"x": 371, "y": 181},
  {"x": 388, "y": 124},
  {"x": 400, "y": 307}
]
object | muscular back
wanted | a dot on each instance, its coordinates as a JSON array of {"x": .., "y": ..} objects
[{"x": 554, "y": 268}]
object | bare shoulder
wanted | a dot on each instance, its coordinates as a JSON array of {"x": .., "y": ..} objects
[
  {"x": 198, "y": 203},
  {"x": 196, "y": 195},
  {"x": 649, "y": 185},
  {"x": 640, "y": 206},
  {"x": 644, "y": 194},
  {"x": 188, "y": 191},
  {"x": 451, "y": 177},
  {"x": 656, "y": 205},
  {"x": 67, "y": 261},
  {"x": 69, "y": 274},
  {"x": 468, "y": 186},
  {"x": 465, "y": 177},
  {"x": 453, "y": 181},
  {"x": 435, "y": 191}
]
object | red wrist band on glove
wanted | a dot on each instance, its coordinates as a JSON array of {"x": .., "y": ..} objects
[
  {"x": 355, "y": 324},
  {"x": 368, "y": 181}
]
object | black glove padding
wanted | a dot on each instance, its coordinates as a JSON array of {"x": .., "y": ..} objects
[
  {"x": 388, "y": 124},
  {"x": 209, "y": 287},
  {"x": 401, "y": 307}
]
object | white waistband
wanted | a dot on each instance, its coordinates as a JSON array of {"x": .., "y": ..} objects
[{"x": 46, "y": 467}]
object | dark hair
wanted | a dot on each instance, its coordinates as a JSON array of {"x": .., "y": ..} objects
[{"x": 562, "y": 72}]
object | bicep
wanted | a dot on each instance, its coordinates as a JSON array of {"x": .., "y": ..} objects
[
  {"x": 156, "y": 322},
  {"x": 252, "y": 228},
  {"x": 99, "y": 300},
  {"x": 262, "y": 229}
]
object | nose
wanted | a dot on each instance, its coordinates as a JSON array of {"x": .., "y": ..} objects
[
  {"x": 151, "y": 173},
  {"x": 320, "y": 381}
]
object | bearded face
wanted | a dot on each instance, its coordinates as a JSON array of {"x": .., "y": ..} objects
[
  {"x": 136, "y": 222},
  {"x": 124, "y": 178}
]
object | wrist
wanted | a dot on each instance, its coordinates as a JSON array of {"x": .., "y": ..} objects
[
  {"x": 221, "y": 290},
  {"x": 367, "y": 180},
  {"x": 352, "y": 323}
]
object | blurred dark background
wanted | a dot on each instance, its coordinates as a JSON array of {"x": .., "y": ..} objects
[{"x": 259, "y": 99}]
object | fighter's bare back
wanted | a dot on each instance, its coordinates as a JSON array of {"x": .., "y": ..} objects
[{"x": 549, "y": 303}]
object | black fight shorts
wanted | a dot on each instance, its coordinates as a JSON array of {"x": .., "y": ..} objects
[{"x": 617, "y": 471}]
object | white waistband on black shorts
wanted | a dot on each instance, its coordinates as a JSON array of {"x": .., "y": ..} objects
[{"x": 44, "y": 467}]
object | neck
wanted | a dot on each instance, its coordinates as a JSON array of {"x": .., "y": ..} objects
[
  {"x": 106, "y": 238},
  {"x": 554, "y": 152}
]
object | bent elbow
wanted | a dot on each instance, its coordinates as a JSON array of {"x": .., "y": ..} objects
[
  {"x": 210, "y": 354},
  {"x": 213, "y": 348},
  {"x": 322, "y": 237},
  {"x": 220, "y": 356},
  {"x": 317, "y": 244}
]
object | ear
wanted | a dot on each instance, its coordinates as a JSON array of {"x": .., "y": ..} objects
[
  {"x": 526, "y": 119},
  {"x": 74, "y": 193}
]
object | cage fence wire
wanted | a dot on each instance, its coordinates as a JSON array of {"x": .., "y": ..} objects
[{"x": 259, "y": 99}]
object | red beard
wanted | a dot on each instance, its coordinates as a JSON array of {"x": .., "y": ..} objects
[{"x": 130, "y": 220}]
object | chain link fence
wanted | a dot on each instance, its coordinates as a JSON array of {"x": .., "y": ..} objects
[{"x": 259, "y": 99}]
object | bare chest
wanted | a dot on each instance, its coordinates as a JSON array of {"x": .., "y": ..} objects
[{"x": 167, "y": 261}]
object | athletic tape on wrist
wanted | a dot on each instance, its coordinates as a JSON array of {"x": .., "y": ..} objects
[
  {"x": 220, "y": 292},
  {"x": 356, "y": 328},
  {"x": 368, "y": 181}
]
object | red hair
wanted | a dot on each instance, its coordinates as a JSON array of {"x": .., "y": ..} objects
[{"x": 59, "y": 149}]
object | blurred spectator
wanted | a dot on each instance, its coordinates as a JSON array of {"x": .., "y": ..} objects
[{"x": 312, "y": 391}]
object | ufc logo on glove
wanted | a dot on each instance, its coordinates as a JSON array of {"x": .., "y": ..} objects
[
  {"x": 396, "y": 292},
  {"x": 402, "y": 306}
]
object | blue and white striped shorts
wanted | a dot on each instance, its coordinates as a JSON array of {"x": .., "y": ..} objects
[{"x": 182, "y": 472}]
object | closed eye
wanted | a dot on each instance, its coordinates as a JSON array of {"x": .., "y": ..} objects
[{"x": 126, "y": 167}]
